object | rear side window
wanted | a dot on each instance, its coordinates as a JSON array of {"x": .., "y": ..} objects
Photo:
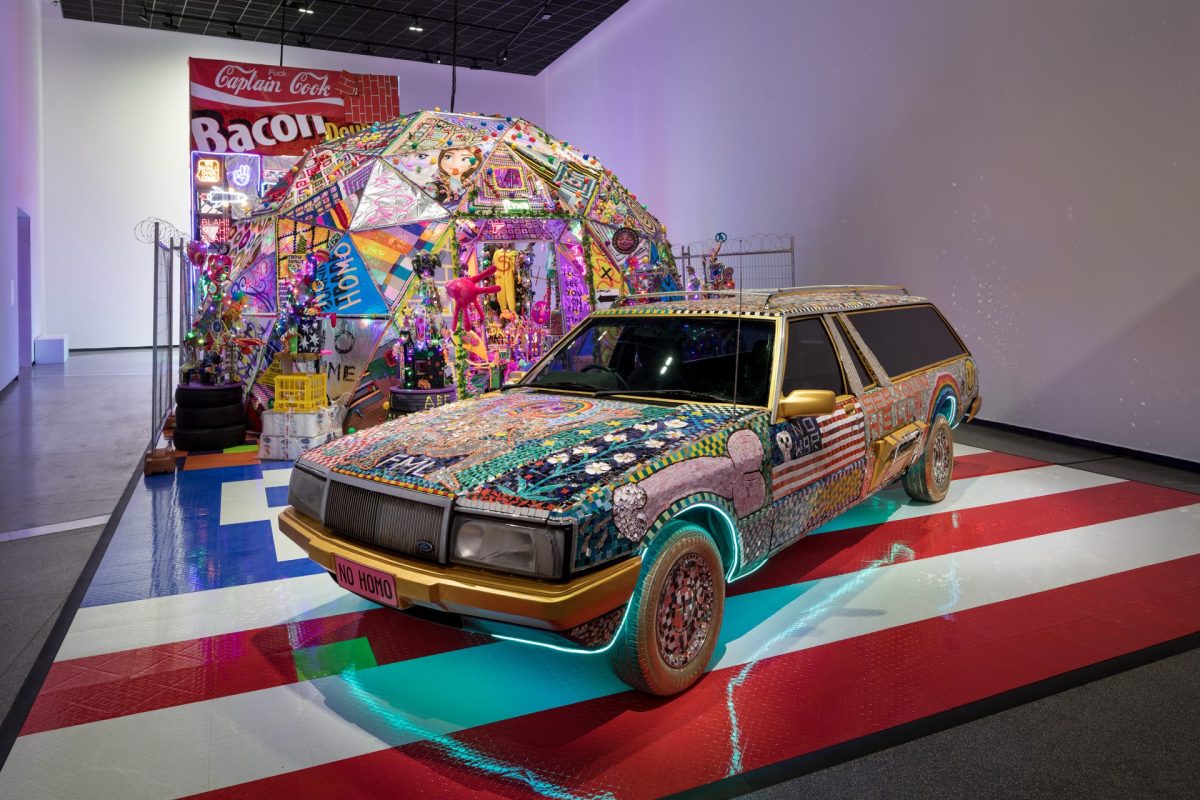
[
  {"x": 811, "y": 362},
  {"x": 907, "y": 339}
]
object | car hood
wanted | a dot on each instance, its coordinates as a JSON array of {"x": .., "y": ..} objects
[{"x": 524, "y": 449}]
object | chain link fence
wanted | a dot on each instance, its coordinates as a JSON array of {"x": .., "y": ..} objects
[{"x": 763, "y": 261}]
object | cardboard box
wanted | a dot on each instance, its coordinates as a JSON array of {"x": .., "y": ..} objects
[
  {"x": 289, "y": 448},
  {"x": 300, "y": 424}
]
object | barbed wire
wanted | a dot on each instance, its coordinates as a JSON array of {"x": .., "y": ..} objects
[{"x": 144, "y": 230}]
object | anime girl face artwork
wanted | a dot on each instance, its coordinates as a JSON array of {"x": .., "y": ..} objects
[
  {"x": 419, "y": 166},
  {"x": 455, "y": 167}
]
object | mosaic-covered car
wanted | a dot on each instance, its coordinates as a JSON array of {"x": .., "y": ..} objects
[{"x": 603, "y": 501}]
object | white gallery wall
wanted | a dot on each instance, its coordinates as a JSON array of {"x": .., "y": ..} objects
[
  {"x": 1032, "y": 166},
  {"x": 20, "y": 178},
  {"x": 116, "y": 152}
]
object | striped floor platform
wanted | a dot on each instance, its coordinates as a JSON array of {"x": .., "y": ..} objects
[{"x": 209, "y": 658}]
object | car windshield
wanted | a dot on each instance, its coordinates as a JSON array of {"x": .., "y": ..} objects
[{"x": 672, "y": 357}]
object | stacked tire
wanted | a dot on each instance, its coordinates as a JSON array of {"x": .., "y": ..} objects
[{"x": 209, "y": 417}]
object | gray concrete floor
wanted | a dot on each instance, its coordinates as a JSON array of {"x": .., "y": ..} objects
[{"x": 71, "y": 435}]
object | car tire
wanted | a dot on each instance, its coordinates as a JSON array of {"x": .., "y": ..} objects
[
  {"x": 674, "y": 616},
  {"x": 928, "y": 479},
  {"x": 215, "y": 417},
  {"x": 187, "y": 396},
  {"x": 194, "y": 439}
]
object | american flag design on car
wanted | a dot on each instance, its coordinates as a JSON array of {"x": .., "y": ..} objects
[{"x": 806, "y": 449}]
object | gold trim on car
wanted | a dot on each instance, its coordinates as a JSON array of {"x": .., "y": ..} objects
[{"x": 474, "y": 592}]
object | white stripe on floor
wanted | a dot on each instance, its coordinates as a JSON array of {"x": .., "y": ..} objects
[
  {"x": 159, "y": 620},
  {"x": 57, "y": 527},
  {"x": 231, "y": 740},
  {"x": 179, "y": 617}
]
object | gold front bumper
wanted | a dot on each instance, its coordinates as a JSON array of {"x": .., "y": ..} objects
[{"x": 474, "y": 592}]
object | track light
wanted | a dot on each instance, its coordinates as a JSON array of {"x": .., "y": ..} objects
[
  {"x": 145, "y": 15},
  {"x": 233, "y": 32},
  {"x": 415, "y": 25},
  {"x": 438, "y": 60},
  {"x": 171, "y": 24},
  {"x": 546, "y": 12},
  {"x": 502, "y": 57},
  {"x": 307, "y": 10},
  {"x": 304, "y": 40},
  {"x": 367, "y": 48},
  {"x": 475, "y": 64}
]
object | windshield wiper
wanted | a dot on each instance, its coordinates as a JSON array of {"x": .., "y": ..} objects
[{"x": 681, "y": 394}]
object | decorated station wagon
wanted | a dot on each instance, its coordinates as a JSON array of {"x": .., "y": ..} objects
[{"x": 602, "y": 502}]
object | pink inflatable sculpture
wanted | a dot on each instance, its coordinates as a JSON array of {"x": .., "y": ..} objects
[{"x": 465, "y": 292}]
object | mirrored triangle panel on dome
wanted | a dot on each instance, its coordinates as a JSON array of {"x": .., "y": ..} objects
[
  {"x": 418, "y": 166},
  {"x": 508, "y": 185},
  {"x": 373, "y": 139},
  {"x": 391, "y": 199}
]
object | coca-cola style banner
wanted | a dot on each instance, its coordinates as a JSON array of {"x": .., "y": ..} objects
[{"x": 257, "y": 108}]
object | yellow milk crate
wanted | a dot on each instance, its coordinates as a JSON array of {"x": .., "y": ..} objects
[{"x": 300, "y": 392}]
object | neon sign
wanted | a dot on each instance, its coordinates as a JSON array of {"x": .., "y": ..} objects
[
  {"x": 224, "y": 197},
  {"x": 240, "y": 176},
  {"x": 208, "y": 170}
]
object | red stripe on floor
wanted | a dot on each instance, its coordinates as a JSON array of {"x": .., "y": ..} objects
[
  {"x": 636, "y": 746},
  {"x": 850, "y": 550},
  {"x": 132, "y": 681},
  {"x": 990, "y": 463}
]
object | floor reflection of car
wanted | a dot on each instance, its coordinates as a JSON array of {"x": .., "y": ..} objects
[{"x": 602, "y": 502}]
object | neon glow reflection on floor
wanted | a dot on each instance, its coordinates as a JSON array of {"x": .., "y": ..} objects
[
  {"x": 897, "y": 552},
  {"x": 463, "y": 754}
]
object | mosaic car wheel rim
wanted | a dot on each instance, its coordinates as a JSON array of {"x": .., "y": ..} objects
[
  {"x": 941, "y": 456},
  {"x": 685, "y": 610}
]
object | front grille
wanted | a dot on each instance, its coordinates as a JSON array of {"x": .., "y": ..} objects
[{"x": 385, "y": 521}]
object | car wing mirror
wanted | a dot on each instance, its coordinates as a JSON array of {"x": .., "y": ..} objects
[{"x": 806, "y": 403}]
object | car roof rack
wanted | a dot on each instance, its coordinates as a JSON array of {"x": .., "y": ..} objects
[{"x": 766, "y": 296}]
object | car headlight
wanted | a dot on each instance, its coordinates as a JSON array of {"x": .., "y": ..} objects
[
  {"x": 510, "y": 546},
  {"x": 306, "y": 493}
]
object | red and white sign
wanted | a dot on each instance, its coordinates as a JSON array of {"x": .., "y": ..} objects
[
  {"x": 257, "y": 108},
  {"x": 366, "y": 581}
]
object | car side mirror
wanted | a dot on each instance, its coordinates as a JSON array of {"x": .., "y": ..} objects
[
  {"x": 806, "y": 403},
  {"x": 514, "y": 378}
]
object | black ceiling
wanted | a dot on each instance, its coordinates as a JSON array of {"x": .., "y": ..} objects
[{"x": 488, "y": 30}]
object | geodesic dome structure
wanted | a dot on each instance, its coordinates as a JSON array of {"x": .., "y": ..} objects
[{"x": 352, "y": 230}]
